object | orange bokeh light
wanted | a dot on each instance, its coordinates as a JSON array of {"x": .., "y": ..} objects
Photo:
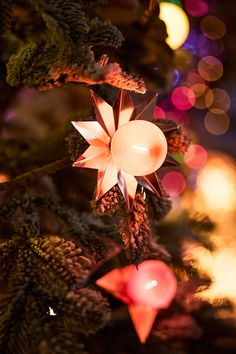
[
  {"x": 202, "y": 93},
  {"x": 220, "y": 102},
  {"x": 210, "y": 68},
  {"x": 213, "y": 27},
  {"x": 217, "y": 124}
]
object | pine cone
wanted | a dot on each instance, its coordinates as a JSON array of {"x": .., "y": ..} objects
[
  {"x": 109, "y": 203},
  {"x": 5, "y": 16},
  {"x": 177, "y": 142},
  {"x": 135, "y": 231}
]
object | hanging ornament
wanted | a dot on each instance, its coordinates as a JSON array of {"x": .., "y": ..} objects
[
  {"x": 176, "y": 21},
  {"x": 145, "y": 290},
  {"x": 125, "y": 146}
]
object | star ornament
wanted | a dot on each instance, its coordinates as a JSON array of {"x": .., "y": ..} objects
[
  {"x": 125, "y": 146},
  {"x": 145, "y": 290}
]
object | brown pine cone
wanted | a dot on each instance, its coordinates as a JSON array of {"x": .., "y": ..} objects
[
  {"x": 177, "y": 142},
  {"x": 135, "y": 230},
  {"x": 109, "y": 203}
]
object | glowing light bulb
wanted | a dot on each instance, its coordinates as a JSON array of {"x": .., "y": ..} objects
[
  {"x": 152, "y": 284},
  {"x": 139, "y": 147},
  {"x": 177, "y": 24}
]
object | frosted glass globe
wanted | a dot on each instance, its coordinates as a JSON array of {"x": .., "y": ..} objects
[
  {"x": 139, "y": 147},
  {"x": 152, "y": 284}
]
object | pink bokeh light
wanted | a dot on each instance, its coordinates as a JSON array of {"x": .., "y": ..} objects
[
  {"x": 159, "y": 113},
  {"x": 196, "y": 8},
  {"x": 183, "y": 98},
  {"x": 196, "y": 157},
  {"x": 174, "y": 183}
]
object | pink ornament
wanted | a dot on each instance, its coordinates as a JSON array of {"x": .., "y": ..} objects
[
  {"x": 145, "y": 290},
  {"x": 139, "y": 148},
  {"x": 152, "y": 284}
]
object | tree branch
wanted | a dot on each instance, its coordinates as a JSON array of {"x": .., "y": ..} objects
[{"x": 31, "y": 176}]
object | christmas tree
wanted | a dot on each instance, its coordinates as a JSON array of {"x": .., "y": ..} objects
[{"x": 96, "y": 254}]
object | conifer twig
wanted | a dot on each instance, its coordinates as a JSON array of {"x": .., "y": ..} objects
[{"x": 31, "y": 176}]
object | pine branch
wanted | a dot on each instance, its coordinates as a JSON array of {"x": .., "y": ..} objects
[
  {"x": 94, "y": 245},
  {"x": 64, "y": 53},
  {"x": 11, "y": 308},
  {"x": 5, "y": 16},
  {"x": 103, "y": 33},
  {"x": 29, "y": 177},
  {"x": 57, "y": 339}
]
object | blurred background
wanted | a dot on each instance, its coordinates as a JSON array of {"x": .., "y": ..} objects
[{"x": 196, "y": 80}]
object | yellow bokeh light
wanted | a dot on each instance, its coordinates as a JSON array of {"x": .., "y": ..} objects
[
  {"x": 217, "y": 185},
  {"x": 177, "y": 24},
  {"x": 220, "y": 266}
]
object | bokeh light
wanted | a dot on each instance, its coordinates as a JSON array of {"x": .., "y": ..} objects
[
  {"x": 209, "y": 47},
  {"x": 219, "y": 265},
  {"x": 202, "y": 92},
  {"x": 210, "y": 68},
  {"x": 196, "y": 157},
  {"x": 217, "y": 185},
  {"x": 180, "y": 117},
  {"x": 4, "y": 177},
  {"x": 159, "y": 113},
  {"x": 217, "y": 124},
  {"x": 196, "y": 8},
  {"x": 174, "y": 183},
  {"x": 183, "y": 98},
  {"x": 194, "y": 78},
  {"x": 213, "y": 27},
  {"x": 220, "y": 102},
  {"x": 177, "y": 24}
]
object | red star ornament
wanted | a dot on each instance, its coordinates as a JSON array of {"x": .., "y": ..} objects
[
  {"x": 125, "y": 146},
  {"x": 145, "y": 290}
]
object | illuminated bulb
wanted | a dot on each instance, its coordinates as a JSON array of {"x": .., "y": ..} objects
[
  {"x": 139, "y": 147},
  {"x": 152, "y": 284},
  {"x": 177, "y": 24}
]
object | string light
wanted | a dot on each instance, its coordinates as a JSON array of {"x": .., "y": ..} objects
[{"x": 176, "y": 21}]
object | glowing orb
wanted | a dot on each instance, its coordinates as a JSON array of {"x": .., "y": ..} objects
[
  {"x": 183, "y": 98},
  {"x": 217, "y": 124},
  {"x": 152, "y": 284},
  {"x": 139, "y": 147},
  {"x": 196, "y": 8},
  {"x": 210, "y": 68},
  {"x": 196, "y": 157},
  {"x": 177, "y": 24},
  {"x": 174, "y": 183}
]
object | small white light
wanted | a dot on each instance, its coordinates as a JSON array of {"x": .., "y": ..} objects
[
  {"x": 151, "y": 284},
  {"x": 51, "y": 312}
]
